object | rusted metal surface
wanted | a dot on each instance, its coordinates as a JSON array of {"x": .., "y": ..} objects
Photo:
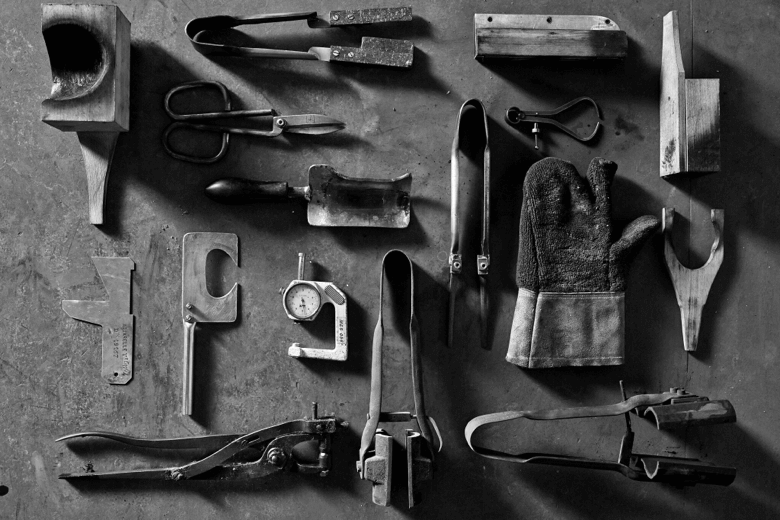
[{"x": 376, "y": 51}]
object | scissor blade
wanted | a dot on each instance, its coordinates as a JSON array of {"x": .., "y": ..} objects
[
  {"x": 454, "y": 290},
  {"x": 311, "y": 124},
  {"x": 484, "y": 313}
]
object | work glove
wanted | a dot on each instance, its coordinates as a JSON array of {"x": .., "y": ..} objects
[{"x": 571, "y": 276}]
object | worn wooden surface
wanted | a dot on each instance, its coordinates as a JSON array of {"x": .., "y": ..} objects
[
  {"x": 512, "y": 36},
  {"x": 397, "y": 121}
]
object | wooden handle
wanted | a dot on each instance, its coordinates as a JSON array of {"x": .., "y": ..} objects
[{"x": 243, "y": 191}]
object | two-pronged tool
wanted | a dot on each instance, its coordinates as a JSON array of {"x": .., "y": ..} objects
[
  {"x": 470, "y": 153},
  {"x": 515, "y": 117}
]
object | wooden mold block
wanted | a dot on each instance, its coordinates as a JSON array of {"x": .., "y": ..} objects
[
  {"x": 89, "y": 54},
  {"x": 518, "y": 36},
  {"x": 690, "y": 112}
]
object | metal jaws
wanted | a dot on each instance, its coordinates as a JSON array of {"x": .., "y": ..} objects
[
  {"x": 373, "y": 51},
  {"x": 671, "y": 409},
  {"x": 301, "y": 446},
  {"x": 376, "y": 446},
  {"x": 692, "y": 286},
  {"x": 515, "y": 117}
]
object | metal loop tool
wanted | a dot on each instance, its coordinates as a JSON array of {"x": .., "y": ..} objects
[
  {"x": 310, "y": 124},
  {"x": 515, "y": 117},
  {"x": 672, "y": 409},
  {"x": 376, "y": 446}
]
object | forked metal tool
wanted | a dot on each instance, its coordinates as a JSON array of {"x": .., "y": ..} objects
[
  {"x": 515, "y": 117},
  {"x": 303, "y": 300},
  {"x": 672, "y": 409},
  {"x": 376, "y": 445},
  {"x": 692, "y": 286},
  {"x": 301, "y": 446},
  {"x": 309, "y": 124},
  {"x": 470, "y": 140},
  {"x": 372, "y": 51},
  {"x": 113, "y": 315},
  {"x": 197, "y": 304}
]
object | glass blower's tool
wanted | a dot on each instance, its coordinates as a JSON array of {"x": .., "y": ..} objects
[
  {"x": 300, "y": 446},
  {"x": 470, "y": 155},
  {"x": 303, "y": 300},
  {"x": 672, "y": 409},
  {"x": 372, "y": 51},
  {"x": 113, "y": 315},
  {"x": 309, "y": 124},
  {"x": 334, "y": 200},
  {"x": 197, "y": 305},
  {"x": 515, "y": 117}
]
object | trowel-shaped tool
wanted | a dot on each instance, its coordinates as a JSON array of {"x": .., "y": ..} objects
[
  {"x": 197, "y": 304},
  {"x": 113, "y": 315},
  {"x": 335, "y": 200}
]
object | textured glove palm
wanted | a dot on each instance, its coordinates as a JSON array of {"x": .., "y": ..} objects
[{"x": 572, "y": 277}]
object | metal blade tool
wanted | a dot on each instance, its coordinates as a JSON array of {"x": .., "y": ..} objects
[
  {"x": 197, "y": 304},
  {"x": 334, "y": 200},
  {"x": 113, "y": 315}
]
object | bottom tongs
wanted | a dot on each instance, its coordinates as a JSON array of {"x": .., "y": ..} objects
[
  {"x": 669, "y": 409},
  {"x": 301, "y": 446}
]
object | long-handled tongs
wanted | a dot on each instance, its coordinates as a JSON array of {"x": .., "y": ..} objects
[
  {"x": 671, "y": 409},
  {"x": 302, "y": 446},
  {"x": 483, "y": 259},
  {"x": 376, "y": 445},
  {"x": 515, "y": 117},
  {"x": 372, "y": 51}
]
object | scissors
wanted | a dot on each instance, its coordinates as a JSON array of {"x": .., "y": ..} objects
[{"x": 311, "y": 124}]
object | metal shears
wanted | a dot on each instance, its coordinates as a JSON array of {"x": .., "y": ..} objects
[{"x": 310, "y": 124}]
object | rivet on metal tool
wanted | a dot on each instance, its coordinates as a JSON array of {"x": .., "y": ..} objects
[
  {"x": 351, "y": 17},
  {"x": 335, "y": 52},
  {"x": 335, "y": 16},
  {"x": 188, "y": 306},
  {"x": 351, "y": 55},
  {"x": 280, "y": 122},
  {"x": 188, "y": 318}
]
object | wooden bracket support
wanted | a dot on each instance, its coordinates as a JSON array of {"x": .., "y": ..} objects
[
  {"x": 690, "y": 112},
  {"x": 89, "y": 53},
  {"x": 692, "y": 286}
]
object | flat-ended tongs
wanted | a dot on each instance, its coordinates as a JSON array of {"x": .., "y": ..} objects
[
  {"x": 372, "y": 51},
  {"x": 477, "y": 144},
  {"x": 302, "y": 446},
  {"x": 672, "y": 409},
  {"x": 515, "y": 117},
  {"x": 375, "y": 461}
]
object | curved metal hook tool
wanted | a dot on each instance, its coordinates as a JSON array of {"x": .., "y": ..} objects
[
  {"x": 669, "y": 409},
  {"x": 514, "y": 116},
  {"x": 376, "y": 445},
  {"x": 692, "y": 286},
  {"x": 483, "y": 259}
]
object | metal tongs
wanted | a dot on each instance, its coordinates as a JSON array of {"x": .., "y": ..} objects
[
  {"x": 372, "y": 51},
  {"x": 483, "y": 258},
  {"x": 670, "y": 409},
  {"x": 375, "y": 461},
  {"x": 301, "y": 446},
  {"x": 514, "y": 116}
]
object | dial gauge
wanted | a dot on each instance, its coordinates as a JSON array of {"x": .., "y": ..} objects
[{"x": 302, "y": 301}]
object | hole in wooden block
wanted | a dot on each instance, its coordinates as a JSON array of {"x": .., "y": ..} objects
[{"x": 78, "y": 60}]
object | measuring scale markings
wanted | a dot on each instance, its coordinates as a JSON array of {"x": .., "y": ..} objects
[{"x": 303, "y": 301}]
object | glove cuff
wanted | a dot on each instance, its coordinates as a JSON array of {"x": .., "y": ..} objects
[{"x": 552, "y": 329}]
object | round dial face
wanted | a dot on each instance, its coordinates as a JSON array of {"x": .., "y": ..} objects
[{"x": 302, "y": 301}]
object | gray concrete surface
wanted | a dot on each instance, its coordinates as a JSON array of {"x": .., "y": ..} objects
[{"x": 397, "y": 121}]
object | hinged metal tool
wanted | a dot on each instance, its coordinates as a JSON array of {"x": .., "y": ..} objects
[
  {"x": 301, "y": 446},
  {"x": 334, "y": 200},
  {"x": 372, "y": 51},
  {"x": 309, "y": 124},
  {"x": 470, "y": 146},
  {"x": 692, "y": 286},
  {"x": 675, "y": 408},
  {"x": 113, "y": 315},
  {"x": 197, "y": 305},
  {"x": 515, "y": 117},
  {"x": 303, "y": 300},
  {"x": 376, "y": 445}
]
